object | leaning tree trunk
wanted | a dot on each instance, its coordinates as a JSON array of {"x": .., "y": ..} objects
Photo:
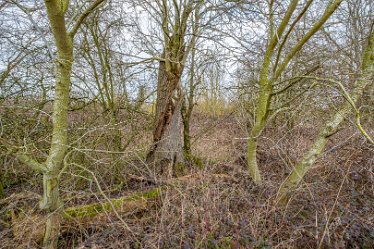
[
  {"x": 166, "y": 154},
  {"x": 330, "y": 128}
]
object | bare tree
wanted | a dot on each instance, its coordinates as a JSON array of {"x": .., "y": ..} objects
[
  {"x": 167, "y": 151},
  {"x": 64, "y": 39},
  {"x": 269, "y": 77},
  {"x": 331, "y": 126}
]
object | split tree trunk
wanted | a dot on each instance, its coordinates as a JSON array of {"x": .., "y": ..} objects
[
  {"x": 167, "y": 151},
  {"x": 166, "y": 154}
]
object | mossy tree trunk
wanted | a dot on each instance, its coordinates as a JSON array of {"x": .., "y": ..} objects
[
  {"x": 267, "y": 79},
  {"x": 330, "y": 128},
  {"x": 167, "y": 150},
  {"x": 166, "y": 153},
  {"x": 189, "y": 100},
  {"x": 266, "y": 87},
  {"x": 51, "y": 197},
  {"x": 51, "y": 202},
  {"x": 186, "y": 115}
]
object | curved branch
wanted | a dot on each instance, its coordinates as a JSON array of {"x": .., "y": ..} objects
[
  {"x": 25, "y": 159},
  {"x": 83, "y": 16},
  {"x": 350, "y": 100}
]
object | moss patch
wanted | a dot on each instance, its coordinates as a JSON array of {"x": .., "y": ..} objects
[{"x": 94, "y": 209}]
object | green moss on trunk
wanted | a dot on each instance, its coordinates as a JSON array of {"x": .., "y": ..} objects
[
  {"x": 330, "y": 128},
  {"x": 94, "y": 209}
]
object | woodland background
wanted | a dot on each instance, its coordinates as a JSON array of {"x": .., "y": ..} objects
[{"x": 186, "y": 124}]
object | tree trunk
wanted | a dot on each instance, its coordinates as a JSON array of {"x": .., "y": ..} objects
[
  {"x": 51, "y": 198},
  {"x": 52, "y": 231},
  {"x": 188, "y": 101},
  {"x": 311, "y": 156},
  {"x": 264, "y": 98},
  {"x": 253, "y": 169},
  {"x": 262, "y": 112},
  {"x": 58, "y": 148},
  {"x": 166, "y": 154},
  {"x": 186, "y": 115},
  {"x": 266, "y": 84}
]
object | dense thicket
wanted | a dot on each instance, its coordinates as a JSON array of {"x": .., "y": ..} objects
[{"x": 186, "y": 124}]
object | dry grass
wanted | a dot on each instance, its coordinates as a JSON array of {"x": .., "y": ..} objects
[{"x": 214, "y": 207}]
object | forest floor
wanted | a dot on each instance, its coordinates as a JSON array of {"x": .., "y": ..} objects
[{"x": 214, "y": 206}]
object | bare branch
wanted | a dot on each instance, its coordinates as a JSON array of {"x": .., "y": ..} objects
[{"x": 83, "y": 16}]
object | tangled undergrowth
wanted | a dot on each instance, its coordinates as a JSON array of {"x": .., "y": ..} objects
[{"x": 216, "y": 206}]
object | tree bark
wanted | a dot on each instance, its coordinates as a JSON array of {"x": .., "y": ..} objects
[
  {"x": 186, "y": 115},
  {"x": 166, "y": 154},
  {"x": 51, "y": 198},
  {"x": 51, "y": 202},
  {"x": 167, "y": 150},
  {"x": 266, "y": 88}
]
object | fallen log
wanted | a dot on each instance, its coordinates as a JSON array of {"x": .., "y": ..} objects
[{"x": 125, "y": 204}]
